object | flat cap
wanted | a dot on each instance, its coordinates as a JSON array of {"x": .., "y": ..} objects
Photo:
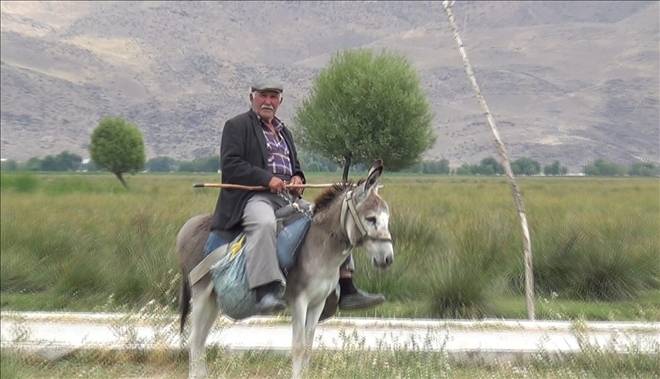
[{"x": 267, "y": 84}]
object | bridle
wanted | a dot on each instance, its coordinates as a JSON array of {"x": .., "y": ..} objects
[{"x": 348, "y": 205}]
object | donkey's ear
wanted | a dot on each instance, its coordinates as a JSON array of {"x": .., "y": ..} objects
[{"x": 373, "y": 178}]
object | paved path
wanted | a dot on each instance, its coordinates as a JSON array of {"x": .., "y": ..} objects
[{"x": 53, "y": 335}]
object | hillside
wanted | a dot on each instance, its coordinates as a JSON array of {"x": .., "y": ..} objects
[{"x": 573, "y": 81}]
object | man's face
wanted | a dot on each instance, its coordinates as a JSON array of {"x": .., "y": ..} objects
[{"x": 265, "y": 103}]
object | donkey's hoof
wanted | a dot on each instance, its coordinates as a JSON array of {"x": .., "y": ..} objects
[{"x": 360, "y": 300}]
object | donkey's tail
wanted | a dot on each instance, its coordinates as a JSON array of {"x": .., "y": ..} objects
[{"x": 184, "y": 299}]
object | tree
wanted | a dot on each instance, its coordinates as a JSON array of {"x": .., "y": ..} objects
[
  {"x": 643, "y": 169},
  {"x": 117, "y": 146},
  {"x": 365, "y": 106},
  {"x": 489, "y": 166},
  {"x": 33, "y": 164},
  {"x": 69, "y": 161},
  {"x": 525, "y": 166},
  {"x": 202, "y": 164},
  {"x": 160, "y": 164},
  {"x": 600, "y": 167},
  {"x": 9, "y": 165},
  {"x": 64, "y": 161},
  {"x": 555, "y": 169},
  {"x": 436, "y": 167}
]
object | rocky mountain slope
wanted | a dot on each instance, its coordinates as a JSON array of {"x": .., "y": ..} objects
[{"x": 573, "y": 81}]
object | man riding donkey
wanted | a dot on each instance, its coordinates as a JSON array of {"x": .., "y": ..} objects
[{"x": 257, "y": 149}]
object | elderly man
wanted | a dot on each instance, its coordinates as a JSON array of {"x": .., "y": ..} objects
[{"x": 257, "y": 149}]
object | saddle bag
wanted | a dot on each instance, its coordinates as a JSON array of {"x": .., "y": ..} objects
[
  {"x": 230, "y": 279},
  {"x": 230, "y": 282}
]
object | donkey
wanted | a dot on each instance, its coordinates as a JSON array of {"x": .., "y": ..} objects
[{"x": 346, "y": 216}]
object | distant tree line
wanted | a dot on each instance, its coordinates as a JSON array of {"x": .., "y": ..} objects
[
  {"x": 603, "y": 168},
  {"x": 66, "y": 161}
]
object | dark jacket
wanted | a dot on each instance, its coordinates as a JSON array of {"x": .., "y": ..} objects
[{"x": 243, "y": 157}]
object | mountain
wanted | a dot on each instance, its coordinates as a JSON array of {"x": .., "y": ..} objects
[{"x": 573, "y": 81}]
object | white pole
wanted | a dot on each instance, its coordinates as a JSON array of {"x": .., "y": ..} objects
[{"x": 517, "y": 197}]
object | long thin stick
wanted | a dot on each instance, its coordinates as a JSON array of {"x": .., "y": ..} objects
[
  {"x": 517, "y": 197},
  {"x": 257, "y": 188}
]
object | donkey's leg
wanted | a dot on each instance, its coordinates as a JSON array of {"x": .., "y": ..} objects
[
  {"x": 204, "y": 312},
  {"x": 298, "y": 314},
  {"x": 311, "y": 322}
]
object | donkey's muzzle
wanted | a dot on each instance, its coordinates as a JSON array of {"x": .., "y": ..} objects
[{"x": 383, "y": 263}]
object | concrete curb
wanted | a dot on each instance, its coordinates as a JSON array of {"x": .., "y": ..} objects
[
  {"x": 363, "y": 322},
  {"x": 55, "y": 335}
]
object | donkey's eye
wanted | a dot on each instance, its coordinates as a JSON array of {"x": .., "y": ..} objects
[{"x": 371, "y": 220}]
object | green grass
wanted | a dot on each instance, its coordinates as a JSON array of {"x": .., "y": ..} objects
[
  {"x": 350, "y": 362},
  {"x": 81, "y": 242}
]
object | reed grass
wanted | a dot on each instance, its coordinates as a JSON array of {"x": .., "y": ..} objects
[{"x": 84, "y": 238}]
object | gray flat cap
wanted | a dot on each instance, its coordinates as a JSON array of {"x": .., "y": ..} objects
[{"x": 267, "y": 84}]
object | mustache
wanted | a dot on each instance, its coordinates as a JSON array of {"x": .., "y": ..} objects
[{"x": 267, "y": 107}]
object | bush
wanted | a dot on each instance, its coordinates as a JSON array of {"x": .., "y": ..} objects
[
  {"x": 592, "y": 264},
  {"x": 461, "y": 280},
  {"x": 21, "y": 183}
]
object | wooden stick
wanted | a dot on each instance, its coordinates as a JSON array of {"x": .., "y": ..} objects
[
  {"x": 257, "y": 188},
  {"x": 515, "y": 191}
]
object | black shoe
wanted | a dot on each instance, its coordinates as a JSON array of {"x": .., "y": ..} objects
[
  {"x": 270, "y": 303},
  {"x": 360, "y": 300}
]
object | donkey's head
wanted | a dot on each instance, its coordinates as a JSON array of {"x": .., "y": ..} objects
[{"x": 365, "y": 218}]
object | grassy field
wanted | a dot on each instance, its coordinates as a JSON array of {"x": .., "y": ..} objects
[
  {"x": 350, "y": 362},
  {"x": 82, "y": 242}
]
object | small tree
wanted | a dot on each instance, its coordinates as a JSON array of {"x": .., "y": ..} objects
[
  {"x": 69, "y": 161},
  {"x": 555, "y": 169},
  {"x": 489, "y": 166},
  {"x": 643, "y": 169},
  {"x": 525, "y": 166},
  {"x": 160, "y": 164},
  {"x": 9, "y": 165},
  {"x": 366, "y": 106},
  {"x": 117, "y": 146}
]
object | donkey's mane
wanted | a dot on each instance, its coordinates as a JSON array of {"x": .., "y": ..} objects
[{"x": 327, "y": 197}]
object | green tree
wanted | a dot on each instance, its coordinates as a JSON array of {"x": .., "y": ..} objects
[
  {"x": 68, "y": 161},
  {"x": 160, "y": 164},
  {"x": 489, "y": 166},
  {"x": 32, "y": 164},
  {"x": 555, "y": 169},
  {"x": 209, "y": 164},
  {"x": 365, "y": 106},
  {"x": 49, "y": 163},
  {"x": 187, "y": 166},
  {"x": 643, "y": 169},
  {"x": 64, "y": 161},
  {"x": 117, "y": 146},
  {"x": 525, "y": 166},
  {"x": 436, "y": 167},
  {"x": 600, "y": 167},
  {"x": 9, "y": 165},
  {"x": 465, "y": 169}
]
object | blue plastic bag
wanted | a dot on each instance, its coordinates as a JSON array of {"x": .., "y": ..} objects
[{"x": 235, "y": 298}]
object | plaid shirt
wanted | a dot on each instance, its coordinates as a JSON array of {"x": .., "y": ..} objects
[{"x": 279, "y": 161}]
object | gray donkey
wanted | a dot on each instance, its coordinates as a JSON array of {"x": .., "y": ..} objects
[{"x": 346, "y": 216}]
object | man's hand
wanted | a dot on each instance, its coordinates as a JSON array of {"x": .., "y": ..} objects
[
  {"x": 296, "y": 191},
  {"x": 276, "y": 185}
]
